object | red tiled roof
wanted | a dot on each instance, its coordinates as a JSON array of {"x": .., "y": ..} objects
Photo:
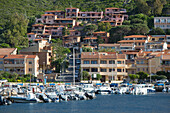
[
  {"x": 166, "y": 57},
  {"x": 30, "y": 33},
  {"x": 48, "y": 15},
  {"x": 109, "y": 45},
  {"x": 99, "y": 32},
  {"x": 38, "y": 25},
  {"x": 54, "y": 11},
  {"x": 135, "y": 36},
  {"x": 6, "y": 51},
  {"x": 102, "y": 55},
  {"x": 15, "y": 57},
  {"x": 2, "y": 56},
  {"x": 125, "y": 45},
  {"x": 132, "y": 41},
  {"x": 89, "y": 38}
]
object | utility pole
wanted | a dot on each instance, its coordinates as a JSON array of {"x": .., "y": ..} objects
[
  {"x": 112, "y": 70},
  {"x": 150, "y": 69},
  {"x": 73, "y": 66}
]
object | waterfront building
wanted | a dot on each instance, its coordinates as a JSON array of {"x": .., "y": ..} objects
[
  {"x": 162, "y": 22},
  {"x": 107, "y": 64},
  {"x": 20, "y": 64},
  {"x": 41, "y": 48},
  {"x": 166, "y": 62},
  {"x": 89, "y": 41},
  {"x": 8, "y": 51}
]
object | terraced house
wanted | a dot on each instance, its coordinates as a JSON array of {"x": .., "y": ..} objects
[
  {"x": 111, "y": 65},
  {"x": 20, "y": 64}
]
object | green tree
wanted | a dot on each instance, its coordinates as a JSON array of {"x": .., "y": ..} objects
[
  {"x": 99, "y": 76},
  {"x": 4, "y": 45},
  {"x": 65, "y": 31},
  {"x": 142, "y": 75},
  {"x": 60, "y": 54},
  {"x": 117, "y": 33},
  {"x": 15, "y": 31},
  {"x": 142, "y": 7},
  {"x": 99, "y": 40},
  {"x": 157, "y": 31},
  {"x": 86, "y": 75},
  {"x": 104, "y": 26},
  {"x": 139, "y": 29},
  {"x": 133, "y": 76},
  {"x": 86, "y": 49}
]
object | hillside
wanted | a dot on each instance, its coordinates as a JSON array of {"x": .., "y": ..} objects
[{"x": 23, "y": 10}]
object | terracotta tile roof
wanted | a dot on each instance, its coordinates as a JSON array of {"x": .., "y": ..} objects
[
  {"x": 89, "y": 12},
  {"x": 168, "y": 45},
  {"x": 31, "y": 56},
  {"x": 38, "y": 25},
  {"x": 109, "y": 45},
  {"x": 132, "y": 41},
  {"x": 39, "y": 40},
  {"x": 6, "y": 51},
  {"x": 89, "y": 38},
  {"x": 54, "y": 11},
  {"x": 102, "y": 55},
  {"x": 99, "y": 32},
  {"x": 135, "y": 36},
  {"x": 2, "y": 56},
  {"x": 15, "y": 57},
  {"x": 48, "y": 15},
  {"x": 30, "y": 33},
  {"x": 72, "y": 8},
  {"x": 166, "y": 57},
  {"x": 130, "y": 53}
]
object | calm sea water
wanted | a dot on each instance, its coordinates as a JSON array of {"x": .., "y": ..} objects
[{"x": 151, "y": 103}]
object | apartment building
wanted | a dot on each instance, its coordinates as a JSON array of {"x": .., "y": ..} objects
[
  {"x": 21, "y": 64},
  {"x": 102, "y": 34},
  {"x": 107, "y": 64},
  {"x": 58, "y": 13},
  {"x": 162, "y": 22},
  {"x": 165, "y": 62},
  {"x": 115, "y": 16},
  {"x": 67, "y": 22},
  {"x": 83, "y": 16},
  {"x": 138, "y": 41},
  {"x": 156, "y": 43},
  {"x": 89, "y": 41},
  {"x": 43, "y": 50}
]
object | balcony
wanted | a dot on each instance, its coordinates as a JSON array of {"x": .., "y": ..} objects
[
  {"x": 90, "y": 65},
  {"x": 14, "y": 65}
]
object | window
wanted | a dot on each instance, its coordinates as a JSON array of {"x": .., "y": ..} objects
[
  {"x": 103, "y": 62},
  {"x": 142, "y": 62},
  {"x": 86, "y": 70},
  {"x": 137, "y": 62},
  {"x": 138, "y": 69},
  {"x": 111, "y": 62},
  {"x": 86, "y": 62},
  {"x": 94, "y": 62},
  {"x": 94, "y": 70},
  {"x": 103, "y": 70},
  {"x": 168, "y": 20},
  {"x": 119, "y": 62},
  {"x": 119, "y": 70},
  {"x": 161, "y": 38},
  {"x": 30, "y": 62},
  {"x": 157, "y": 20},
  {"x": 1, "y": 62},
  {"x": 110, "y": 70},
  {"x": 143, "y": 69},
  {"x": 163, "y": 20},
  {"x": 30, "y": 69}
]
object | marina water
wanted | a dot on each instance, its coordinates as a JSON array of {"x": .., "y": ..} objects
[{"x": 151, "y": 103}]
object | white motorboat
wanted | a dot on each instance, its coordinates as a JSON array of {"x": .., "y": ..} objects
[
  {"x": 30, "y": 98},
  {"x": 104, "y": 90},
  {"x": 88, "y": 87},
  {"x": 139, "y": 90}
]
